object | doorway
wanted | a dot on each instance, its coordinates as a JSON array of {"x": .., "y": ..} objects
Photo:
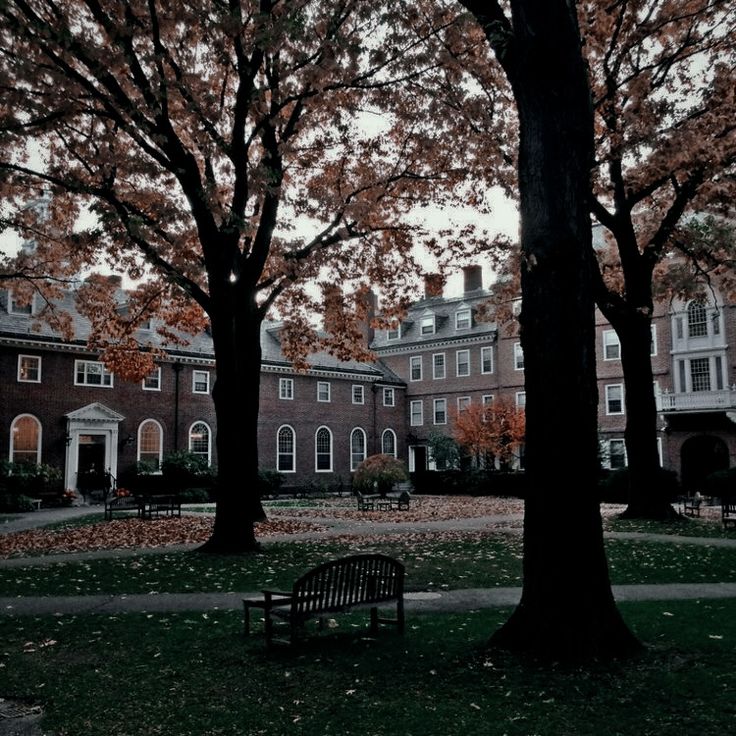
[
  {"x": 700, "y": 456},
  {"x": 91, "y": 454}
]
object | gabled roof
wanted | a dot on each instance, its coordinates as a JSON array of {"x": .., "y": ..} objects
[{"x": 95, "y": 412}]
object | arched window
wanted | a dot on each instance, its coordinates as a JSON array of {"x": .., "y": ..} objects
[
  {"x": 200, "y": 440},
  {"x": 285, "y": 450},
  {"x": 150, "y": 444},
  {"x": 697, "y": 320},
  {"x": 388, "y": 442},
  {"x": 357, "y": 447},
  {"x": 25, "y": 440},
  {"x": 323, "y": 450}
]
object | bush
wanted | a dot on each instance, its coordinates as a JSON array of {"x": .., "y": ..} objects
[
  {"x": 269, "y": 482},
  {"x": 379, "y": 472},
  {"x": 722, "y": 483},
  {"x": 471, "y": 482},
  {"x": 195, "y": 495},
  {"x": 11, "y": 503},
  {"x": 183, "y": 470},
  {"x": 613, "y": 487},
  {"x": 28, "y": 479}
]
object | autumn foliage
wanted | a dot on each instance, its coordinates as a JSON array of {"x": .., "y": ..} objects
[{"x": 379, "y": 472}]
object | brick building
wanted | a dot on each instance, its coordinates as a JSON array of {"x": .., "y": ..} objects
[{"x": 58, "y": 404}]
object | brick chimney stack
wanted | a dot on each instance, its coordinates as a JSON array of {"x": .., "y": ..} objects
[
  {"x": 369, "y": 301},
  {"x": 473, "y": 278}
]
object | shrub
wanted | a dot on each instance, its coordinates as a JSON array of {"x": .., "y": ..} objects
[
  {"x": 613, "y": 486},
  {"x": 195, "y": 495},
  {"x": 269, "y": 482},
  {"x": 184, "y": 469},
  {"x": 15, "y": 503},
  {"x": 379, "y": 472},
  {"x": 722, "y": 483},
  {"x": 30, "y": 479}
]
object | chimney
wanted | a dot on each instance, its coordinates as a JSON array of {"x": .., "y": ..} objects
[
  {"x": 368, "y": 300},
  {"x": 473, "y": 278},
  {"x": 434, "y": 283},
  {"x": 115, "y": 281}
]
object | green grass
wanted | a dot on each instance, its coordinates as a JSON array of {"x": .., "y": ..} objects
[
  {"x": 683, "y": 527},
  {"x": 193, "y": 674}
]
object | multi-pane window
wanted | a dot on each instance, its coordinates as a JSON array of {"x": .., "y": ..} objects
[
  {"x": 357, "y": 447},
  {"x": 518, "y": 357},
  {"x": 388, "y": 442},
  {"x": 616, "y": 454},
  {"x": 285, "y": 462},
  {"x": 487, "y": 399},
  {"x": 615, "y": 398},
  {"x": 323, "y": 450},
  {"x": 200, "y": 382},
  {"x": 15, "y": 306},
  {"x": 25, "y": 440},
  {"x": 462, "y": 319},
  {"x": 438, "y": 365},
  {"x": 653, "y": 344},
  {"x": 286, "y": 388},
  {"x": 415, "y": 368},
  {"x": 426, "y": 325},
  {"x": 358, "y": 394},
  {"x": 486, "y": 359},
  {"x": 29, "y": 368},
  {"x": 700, "y": 374},
  {"x": 389, "y": 397},
  {"x": 152, "y": 382},
  {"x": 150, "y": 436},
  {"x": 91, "y": 373},
  {"x": 611, "y": 345},
  {"x": 697, "y": 320},
  {"x": 521, "y": 399},
  {"x": 416, "y": 412},
  {"x": 463, "y": 402},
  {"x": 463, "y": 362},
  {"x": 394, "y": 332},
  {"x": 323, "y": 390},
  {"x": 199, "y": 440},
  {"x": 440, "y": 411}
]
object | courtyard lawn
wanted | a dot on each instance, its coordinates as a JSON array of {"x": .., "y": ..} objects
[{"x": 194, "y": 675}]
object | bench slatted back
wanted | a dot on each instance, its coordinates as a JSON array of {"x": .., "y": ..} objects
[{"x": 339, "y": 584}]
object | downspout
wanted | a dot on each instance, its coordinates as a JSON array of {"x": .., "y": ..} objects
[{"x": 177, "y": 370}]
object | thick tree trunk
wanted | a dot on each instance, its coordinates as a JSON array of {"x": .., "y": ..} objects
[
  {"x": 237, "y": 344},
  {"x": 567, "y": 609}
]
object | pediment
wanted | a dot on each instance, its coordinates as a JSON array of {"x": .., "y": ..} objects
[{"x": 95, "y": 412}]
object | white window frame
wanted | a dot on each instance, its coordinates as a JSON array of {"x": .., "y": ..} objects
[
  {"x": 653, "y": 347},
  {"x": 201, "y": 380},
  {"x": 209, "y": 439},
  {"x": 427, "y": 325},
  {"x": 357, "y": 431},
  {"x": 463, "y": 402},
  {"x": 286, "y": 389},
  {"x": 612, "y": 341},
  {"x": 160, "y": 441},
  {"x": 389, "y": 392},
  {"x": 414, "y": 404},
  {"x": 357, "y": 392},
  {"x": 608, "y": 389},
  {"x": 324, "y": 392},
  {"x": 384, "y": 434},
  {"x": 464, "y": 315},
  {"x": 293, "y": 449},
  {"x": 39, "y": 426},
  {"x": 157, "y": 372},
  {"x": 439, "y": 406},
  {"x": 393, "y": 333},
  {"x": 466, "y": 362},
  {"x": 439, "y": 375},
  {"x": 415, "y": 360},
  {"x": 37, "y": 359},
  {"x": 486, "y": 350},
  {"x": 487, "y": 399},
  {"x": 521, "y": 399},
  {"x": 317, "y": 469},
  {"x": 518, "y": 357},
  {"x": 622, "y": 443},
  {"x": 105, "y": 374},
  {"x": 24, "y": 310}
]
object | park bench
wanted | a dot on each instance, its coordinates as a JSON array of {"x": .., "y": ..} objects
[
  {"x": 114, "y": 504},
  {"x": 691, "y": 505},
  {"x": 146, "y": 506},
  {"x": 394, "y": 500},
  {"x": 334, "y": 587},
  {"x": 728, "y": 512}
]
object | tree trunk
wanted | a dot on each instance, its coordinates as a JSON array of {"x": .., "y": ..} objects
[
  {"x": 567, "y": 609},
  {"x": 237, "y": 342}
]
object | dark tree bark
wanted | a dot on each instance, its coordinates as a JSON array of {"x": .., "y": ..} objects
[{"x": 567, "y": 610}]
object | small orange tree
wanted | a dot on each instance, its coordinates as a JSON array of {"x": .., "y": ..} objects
[
  {"x": 490, "y": 431},
  {"x": 379, "y": 472}
]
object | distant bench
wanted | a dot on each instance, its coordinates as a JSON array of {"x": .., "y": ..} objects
[
  {"x": 146, "y": 506},
  {"x": 334, "y": 587},
  {"x": 728, "y": 512},
  {"x": 399, "y": 498}
]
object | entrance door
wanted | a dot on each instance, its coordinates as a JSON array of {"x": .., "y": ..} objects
[
  {"x": 700, "y": 456},
  {"x": 417, "y": 459},
  {"x": 91, "y": 464}
]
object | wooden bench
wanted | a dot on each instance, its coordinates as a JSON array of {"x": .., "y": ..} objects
[
  {"x": 334, "y": 587},
  {"x": 121, "y": 503},
  {"x": 155, "y": 505},
  {"x": 393, "y": 500},
  {"x": 728, "y": 512},
  {"x": 691, "y": 505},
  {"x": 367, "y": 502}
]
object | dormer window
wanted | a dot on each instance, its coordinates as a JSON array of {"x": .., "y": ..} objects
[
  {"x": 17, "y": 307},
  {"x": 463, "y": 319},
  {"x": 426, "y": 326},
  {"x": 394, "y": 332}
]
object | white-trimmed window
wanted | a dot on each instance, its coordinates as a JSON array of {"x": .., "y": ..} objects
[
  {"x": 653, "y": 346},
  {"x": 518, "y": 357},
  {"x": 611, "y": 345},
  {"x": 486, "y": 399},
  {"x": 323, "y": 391},
  {"x": 416, "y": 413},
  {"x": 389, "y": 397},
  {"x": 426, "y": 325},
  {"x": 16, "y": 307},
  {"x": 286, "y": 388},
  {"x": 285, "y": 449},
  {"x": 697, "y": 320},
  {"x": 616, "y": 454},
  {"x": 463, "y": 319},
  {"x": 394, "y": 332},
  {"x": 200, "y": 440},
  {"x": 358, "y": 394},
  {"x": 200, "y": 382},
  {"x": 323, "y": 450},
  {"x": 152, "y": 382},
  {"x": 438, "y": 366},
  {"x": 440, "y": 411},
  {"x": 91, "y": 373},
  {"x": 463, "y": 402},
  {"x": 25, "y": 440},
  {"x": 614, "y": 398},
  {"x": 357, "y": 447},
  {"x": 388, "y": 442},
  {"x": 486, "y": 359},
  {"x": 415, "y": 368},
  {"x": 29, "y": 368},
  {"x": 521, "y": 399},
  {"x": 462, "y": 363},
  {"x": 150, "y": 444}
]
